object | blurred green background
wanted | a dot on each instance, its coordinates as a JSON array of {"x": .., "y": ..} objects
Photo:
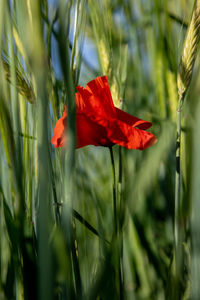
[{"x": 56, "y": 205}]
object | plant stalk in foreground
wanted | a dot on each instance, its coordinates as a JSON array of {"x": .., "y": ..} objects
[
  {"x": 188, "y": 58},
  {"x": 178, "y": 234},
  {"x": 117, "y": 235},
  {"x": 114, "y": 190}
]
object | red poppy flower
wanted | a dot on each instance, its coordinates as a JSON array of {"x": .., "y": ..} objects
[{"x": 100, "y": 123}]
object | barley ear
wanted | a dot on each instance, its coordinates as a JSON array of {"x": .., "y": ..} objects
[
  {"x": 189, "y": 54},
  {"x": 23, "y": 86}
]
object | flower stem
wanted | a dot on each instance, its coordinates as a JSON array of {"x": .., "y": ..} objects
[
  {"x": 121, "y": 219},
  {"x": 117, "y": 196},
  {"x": 114, "y": 191}
]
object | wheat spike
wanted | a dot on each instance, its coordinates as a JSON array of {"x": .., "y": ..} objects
[
  {"x": 189, "y": 52},
  {"x": 24, "y": 88}
]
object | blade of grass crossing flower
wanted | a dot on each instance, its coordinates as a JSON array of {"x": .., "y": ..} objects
[
  {"x": 44, "y": 188},
  {"x": 44, "y": 195},
  {"x": 64, "y": 55},
  {"x": 67, "y": 222}
]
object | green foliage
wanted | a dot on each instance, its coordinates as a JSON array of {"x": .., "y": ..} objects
[{"x": 57, "y": 236}]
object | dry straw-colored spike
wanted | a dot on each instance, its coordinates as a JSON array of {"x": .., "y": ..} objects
[
  {"x": 23, "y": 86},
  {"x": 189, "y": 52}
]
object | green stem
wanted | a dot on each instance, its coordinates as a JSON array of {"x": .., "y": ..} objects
[
  {"x": 121, "y": 219},
  {"x": 117, "y": 195},
  {"x": 75, "y": 257},
  {"x": 177, "y": 215},
  {"x": 114, "y": 190}
]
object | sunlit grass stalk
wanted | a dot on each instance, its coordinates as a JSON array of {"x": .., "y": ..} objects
[{"x": 75, "y": 36}]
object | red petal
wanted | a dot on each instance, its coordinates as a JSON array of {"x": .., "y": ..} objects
[
  {"x": 82, "y": 97},
  {"x": 96, "y": 98},
  {"x": 58, "y": 140},
  {"x": 88, "y": 131},
  {"x": 99, "y": 123},
  {"x": 131, "y": 120},
  {"x": 130, "y": 137},
  {"x": 91, "y": 133}
]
